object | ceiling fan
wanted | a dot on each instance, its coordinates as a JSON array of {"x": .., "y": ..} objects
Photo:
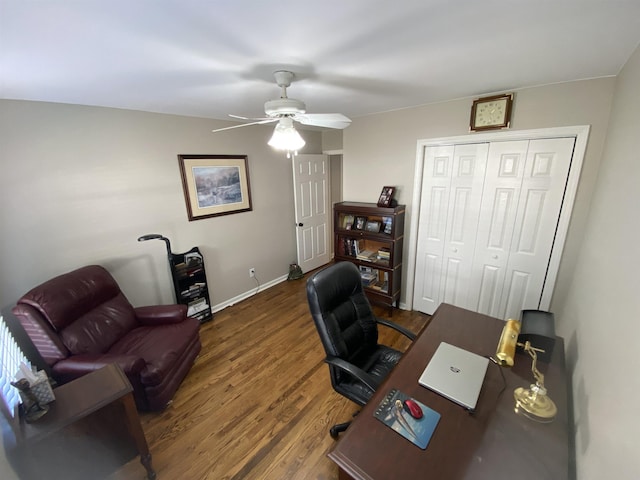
[{"x": 285, "y": 111}]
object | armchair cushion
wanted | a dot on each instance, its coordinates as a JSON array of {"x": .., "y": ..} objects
[
  {"x": 97, "y": 330},
  {"x": 78, "y": 365},
  {"x": 161, "y": 346},
  {"x": 158, "y": 314}
]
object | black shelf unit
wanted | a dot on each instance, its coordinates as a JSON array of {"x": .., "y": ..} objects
[
  {"x": 189, "y": 277},
  {"x": 190, "y": 283}
]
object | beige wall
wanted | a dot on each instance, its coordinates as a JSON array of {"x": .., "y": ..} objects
[
  {"x": 331, "y": 140},
  {"x": 79, "y": 185},
  {"x": 381, "y": 149},
  {"x": 600, "y": 310}
]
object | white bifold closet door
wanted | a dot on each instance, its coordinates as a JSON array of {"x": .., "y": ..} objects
[{"x": 488, "y": 218}]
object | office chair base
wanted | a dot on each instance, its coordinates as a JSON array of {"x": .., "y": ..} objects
[
  {"x": 337, "y": 429},
  {"x": 341, "y": 427}
]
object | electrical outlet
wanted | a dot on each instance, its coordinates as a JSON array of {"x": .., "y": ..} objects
[{"x": 252, "y": 272}]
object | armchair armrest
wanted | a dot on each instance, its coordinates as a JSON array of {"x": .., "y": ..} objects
[
  {"x": 161, "y": 314},
  {"x": 353, "y": 370},
  {"x": 407, "y": 333},
  {"x": 78, "y": 365}
]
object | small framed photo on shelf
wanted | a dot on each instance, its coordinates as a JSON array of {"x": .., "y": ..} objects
[
  {"x": 386, "y": 196},
  {"x": 387, "y": 223},
  {"x": 347, "y": 222},
  {"x": 373, "y": 226},
  {"x": 360, "y": 223}
]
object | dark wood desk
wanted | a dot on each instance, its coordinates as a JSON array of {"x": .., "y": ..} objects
[
  {"x": 493, "y": 443},
  {"x": 92, "y": 422}
]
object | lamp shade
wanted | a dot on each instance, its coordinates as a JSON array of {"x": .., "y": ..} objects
[{"x": 286, "y": 137}]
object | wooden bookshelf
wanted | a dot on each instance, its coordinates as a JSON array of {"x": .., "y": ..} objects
[{"x": 372, "y": 237}]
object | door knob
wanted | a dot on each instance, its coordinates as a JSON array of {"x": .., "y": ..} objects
[
  {"x": 454, "y": 250},
  {"x": 495, "y": 257},
  {"x": 301, "y": 224}
]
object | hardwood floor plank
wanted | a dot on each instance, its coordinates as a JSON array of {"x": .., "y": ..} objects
[{"x": 258, "y": 402}]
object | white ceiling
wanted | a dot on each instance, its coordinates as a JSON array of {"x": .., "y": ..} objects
[{"x": 356, "y": 57}]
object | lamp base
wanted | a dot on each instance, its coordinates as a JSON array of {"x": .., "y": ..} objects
[{"x": 534, "y": 404}]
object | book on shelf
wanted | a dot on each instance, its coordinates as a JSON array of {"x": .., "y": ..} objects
[
  {"x": 382, "y": 287},
  {"x": 197, "y": 306},
  {"x": 368, "y": 278},
  {"x": 382, "y": 282},
  {"x": 193, "y": 289},
  {"x": 353, "y": 247},
  {"x": 366, "y": 255},
  {"x": 394, "y": 412}
]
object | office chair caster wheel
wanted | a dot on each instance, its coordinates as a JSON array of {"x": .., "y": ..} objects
[{"x": 337, "y": 429}]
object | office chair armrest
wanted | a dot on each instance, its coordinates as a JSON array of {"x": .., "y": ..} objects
[
  {"x": 357, "y": 372},
  {"x": 407, "y": 333}
]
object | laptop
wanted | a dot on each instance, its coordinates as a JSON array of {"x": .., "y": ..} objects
[{"x": 455, "y": 374}]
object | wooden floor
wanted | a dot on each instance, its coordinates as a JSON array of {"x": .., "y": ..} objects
[{"x": 258, "y": 402}]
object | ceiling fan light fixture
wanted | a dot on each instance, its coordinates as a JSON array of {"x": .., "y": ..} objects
[{"x": 286, "y": 137}]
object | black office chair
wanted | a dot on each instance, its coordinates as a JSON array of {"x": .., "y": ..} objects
[{"x": 349, "y": 333}]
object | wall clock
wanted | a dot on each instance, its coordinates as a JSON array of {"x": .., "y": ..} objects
[{"x": 489, "y": 113}]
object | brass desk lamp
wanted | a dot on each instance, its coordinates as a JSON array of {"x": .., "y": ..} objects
[{"x": 531, "y": 402}]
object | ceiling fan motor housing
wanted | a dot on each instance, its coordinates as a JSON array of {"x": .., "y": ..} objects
[{"x": 284, "y": 106}]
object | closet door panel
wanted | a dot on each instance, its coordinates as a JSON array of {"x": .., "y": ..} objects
[
  {"x": 541, "y": 195},
  {"x": 469, "y": 167},
  {"x": 451, "y": 193},
  {"x": 499, "y": 205},
  {"x": 434, "y": 205}
]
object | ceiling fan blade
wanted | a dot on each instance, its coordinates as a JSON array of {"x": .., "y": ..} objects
[
  {"x": 249, "y": 118},
  {"x": 270, "y": 120},
  {"x": 328, "y": 120}
]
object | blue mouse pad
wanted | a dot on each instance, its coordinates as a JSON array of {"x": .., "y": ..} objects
[{"x": 397, "y": 415}]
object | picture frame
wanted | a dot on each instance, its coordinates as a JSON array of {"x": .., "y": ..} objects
[
  {"x": 215, "y": 185},
  {"x": 373, "y": 226},
  {"x": 347, "y": 222},
  {"x": 360, "y": 223},
  {"x": 387, "y": 223},
  {"x": 386, "y": 196}
]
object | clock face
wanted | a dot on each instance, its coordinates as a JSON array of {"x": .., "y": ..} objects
[{"x": 491, "y": 112}]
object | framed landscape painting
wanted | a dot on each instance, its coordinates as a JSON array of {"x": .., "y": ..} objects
[{"x": 215, "y": 185}]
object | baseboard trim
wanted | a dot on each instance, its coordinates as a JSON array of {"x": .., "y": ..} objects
[{"x": 245, "y": 295}]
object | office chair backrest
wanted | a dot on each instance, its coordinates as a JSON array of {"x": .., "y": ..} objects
[{"x": 342, "y": 314}]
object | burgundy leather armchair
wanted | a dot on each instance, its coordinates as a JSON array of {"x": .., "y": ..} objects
[{"x": 81, "y": 321}]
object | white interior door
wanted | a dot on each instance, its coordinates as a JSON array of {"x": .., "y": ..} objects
[
  {"x": 313, "y": 210},
  {"x": 450, "y": 205}
]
